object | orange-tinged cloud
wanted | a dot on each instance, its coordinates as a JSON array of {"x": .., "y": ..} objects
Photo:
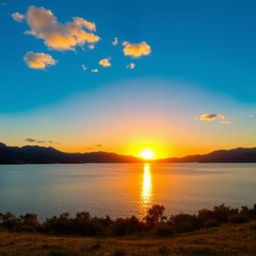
[
  {"x": 44, "y": 25},
  {"x": 105, "y": 63},
  {"x": 18, "y": 16},
  {"x": 213, "y": 117},
  {"x": 39, "y": 60},
  {"x": 136, "y": 50},
  {"x": 82, "y": 22}
]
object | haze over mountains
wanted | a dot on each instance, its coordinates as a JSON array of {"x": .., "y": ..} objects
[{"x": 44, "y": 155}]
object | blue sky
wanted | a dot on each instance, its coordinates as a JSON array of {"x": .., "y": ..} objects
[{"x": 202, "y": 52}]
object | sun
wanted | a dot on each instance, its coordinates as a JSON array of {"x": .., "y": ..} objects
[{"x": 147, "y": 154}]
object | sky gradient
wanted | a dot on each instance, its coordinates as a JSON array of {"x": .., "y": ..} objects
[{"x": 175, "y": 76}]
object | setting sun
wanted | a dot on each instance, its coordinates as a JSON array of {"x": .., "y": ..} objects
[{"x": 147, "y": 154}]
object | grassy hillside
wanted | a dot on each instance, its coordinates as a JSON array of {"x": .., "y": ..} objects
[{"x": 229, "y": 239}]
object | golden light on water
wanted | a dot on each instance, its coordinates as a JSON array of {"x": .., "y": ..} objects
[{"x": 146, "y": 190}]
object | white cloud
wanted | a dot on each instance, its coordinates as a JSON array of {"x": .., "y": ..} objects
[
  {"x": 105, "y": 63},
  {"x": 58, "y": 36},
  {"x": 39, "y": 60},
  {"x": 18, "y": 16},
  {"x": 136, "y": 50},
  {"x": 131, "y": 65},
  {"x": 91, "y": 46},
  {"x": 115, "y": 41},
  {"x": 94, "y": 70},
  {"x": 84, "y": 68}
]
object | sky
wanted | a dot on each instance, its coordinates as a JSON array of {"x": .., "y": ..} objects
[{"x": 108, "y": 75}]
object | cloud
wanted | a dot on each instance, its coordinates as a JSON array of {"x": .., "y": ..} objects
[
  {"x": 136, "y": 50},
  {"x": 18, "y": 16},
  {"x": 213, "y": 117},
  {"x": 105, "y": 63},
  {"x": 91, "y": 46},
  {"x": 58, "y": 36},
  {"x": 94, "y": 70},
  {"x": 31, "y": 140},
  {"x": 39, "y": 60},
  {"x": 95, "y": 147},
  {"x": 87, "y": 24},
  {"x": 115, "y": 41},
  {"x": 131, "y": 65},
  {"x": 84, "y": 68}
]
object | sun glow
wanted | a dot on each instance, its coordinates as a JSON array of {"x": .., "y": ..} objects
[{"x": 147, "y": 154}]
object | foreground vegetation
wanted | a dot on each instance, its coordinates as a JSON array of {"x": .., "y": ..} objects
[
  {"x": 217, "y": 232},
  {"x": 155, "y": 223},
  {"x": 227, "y": 240}
]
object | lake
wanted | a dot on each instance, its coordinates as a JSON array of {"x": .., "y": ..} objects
[{"x": 121, "y": 190}]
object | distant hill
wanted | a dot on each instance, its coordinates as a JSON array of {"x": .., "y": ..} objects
[
  {"x": 238, "y": 155},
  {"x": 45, "y": 155}
]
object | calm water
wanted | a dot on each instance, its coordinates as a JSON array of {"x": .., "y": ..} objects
[{"x": 124, "y": 189}]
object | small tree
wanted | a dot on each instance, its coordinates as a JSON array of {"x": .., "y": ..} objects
[{"x": 155, "y": 215}]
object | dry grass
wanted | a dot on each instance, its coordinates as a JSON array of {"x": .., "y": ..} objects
[{"x": 231, "y": 239}]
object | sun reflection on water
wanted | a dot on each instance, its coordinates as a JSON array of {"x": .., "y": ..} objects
[{"x": 146, "y": 190}]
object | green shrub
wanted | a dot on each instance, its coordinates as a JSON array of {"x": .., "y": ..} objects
[
  {"x": 238, "y": 218},
  {"x": 163, "y": 229},
  {"x": 186, "y": 226},
  {"x": 211, "y": 223},
  {"x": 127, "y": 226},
  {"x": 9, "y": 221},
  {"x": 184, "y": 222},
  {"x": 223, "y": 212}
]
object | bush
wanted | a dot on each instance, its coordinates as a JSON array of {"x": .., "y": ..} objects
[
  {"x": 163, "y": 229},
  {"x": 211, "y": 223},
  {"x": 186, "y": 226},
  {"x": 9, "y": 221},
  {"x": 238, "y": 218},
  {"x": 222, "y": 213},
  {"x": 184, "y": 222},
  {"x": 128, "y": 226},
  {"x": 59, "y": 224},
  {"x": 154, "y": 222}
]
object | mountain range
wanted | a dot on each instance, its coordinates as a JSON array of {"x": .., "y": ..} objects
[{"x": 46, "y": 155}]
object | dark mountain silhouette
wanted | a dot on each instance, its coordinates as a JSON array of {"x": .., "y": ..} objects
[
  {"x": 44, "y": 155},
  {"x": 237, "y": 155}
]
